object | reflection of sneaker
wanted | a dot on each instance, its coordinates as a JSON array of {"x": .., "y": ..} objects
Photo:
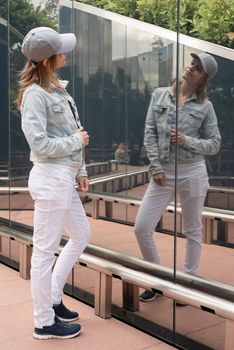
[
  {"x": 58, "y": 330},
  {"x": 179, "y": 303},
  {"x": 64, "y": 314},
  {"x": 147, "y": 295}
]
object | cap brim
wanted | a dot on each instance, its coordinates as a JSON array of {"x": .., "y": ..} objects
[
  {"x": 197, "y": 57},
  {"x": 68, "y": 42},
  {"x": 194, "y": 55}
]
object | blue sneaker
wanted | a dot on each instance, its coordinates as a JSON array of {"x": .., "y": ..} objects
[
  {"x": 58, "y": 330},
  {"x": 147, "y": 295},
  {"x": 64, "y": 314}
]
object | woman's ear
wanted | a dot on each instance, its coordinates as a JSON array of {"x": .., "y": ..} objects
[{"x": 45, "y": 62}]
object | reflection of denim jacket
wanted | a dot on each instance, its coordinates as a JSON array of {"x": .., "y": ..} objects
[
  {"x": 196, "y": 120},
  {"x": 121, "y": 156},
  {"x": 49, "y": 121}
]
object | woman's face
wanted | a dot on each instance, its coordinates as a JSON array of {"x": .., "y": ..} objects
[
  {"x": 60, "y": 60},
  {"x": 194, "y": 74}
]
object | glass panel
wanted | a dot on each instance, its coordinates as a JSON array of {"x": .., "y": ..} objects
[
  {"x": 21, "y": 204},
  {"x": 64, "y": 24},
  {"x": 93, "y": 88},
  {"x": 141, "y": 61},
  {"x": 202, "y": 324},
  {"x": 23, "y": 19},
  {"x": 4, "y": 120},
  {"x": 113, "y": 71},
  {"x": 120, "y": 96}
]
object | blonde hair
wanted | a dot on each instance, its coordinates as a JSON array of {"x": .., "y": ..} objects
[
  {"x": 38, "y": 73},
  {"x": 201, "y": 92}
]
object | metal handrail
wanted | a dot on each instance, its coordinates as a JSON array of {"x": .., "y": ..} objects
[
  {"x": 201, "y": 300},
  {"x": 117, "y": 198},
  {"x": 187, "y": 294},
  {"x": 100, "y": 179},
  {"x": 120, "y": 175},
  {"x": 215, "y": 213},
  {"x": 208, "y": 286}
]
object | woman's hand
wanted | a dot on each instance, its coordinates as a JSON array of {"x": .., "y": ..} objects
[
  {"x": 180, "y": 138},
  {"x": 84, "y": 135},
  {"x": 83, "y": 183},
  {"x": 160, "y": 179}
]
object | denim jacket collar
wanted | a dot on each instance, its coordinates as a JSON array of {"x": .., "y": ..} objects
[
  {"x": 172, "y": 95},
  {"x": 63, "y": 84}
]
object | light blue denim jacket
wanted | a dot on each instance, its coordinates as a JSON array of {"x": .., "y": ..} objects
[
  {"x": 196, "y": 120},
  {"x": 49, "y": 126}
]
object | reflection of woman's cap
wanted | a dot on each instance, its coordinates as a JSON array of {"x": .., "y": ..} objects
[
  {"x": 43, "y": 42},
  {"x": 208, "y": 63}
]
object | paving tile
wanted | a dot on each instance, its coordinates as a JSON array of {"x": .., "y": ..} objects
[
  {"x": 21, "y": 292},
  {"x": 7, "y": 274},
  {"x": 97, "y": 333},
  {"x": 215, "y": 332}
]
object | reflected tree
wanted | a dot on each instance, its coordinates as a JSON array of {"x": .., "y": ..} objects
[
  {"x": 114, "y": 111},
  {"x": 208, "y": 20},
  {"x": 23, "y": 16}
]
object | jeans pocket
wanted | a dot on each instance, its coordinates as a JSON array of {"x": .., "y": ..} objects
[
  {"x": 198, "y": 186},
  {"x": 42, "y": 186}
]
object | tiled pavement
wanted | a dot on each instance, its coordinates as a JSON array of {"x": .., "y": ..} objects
[{"x": 16, "y": 324}]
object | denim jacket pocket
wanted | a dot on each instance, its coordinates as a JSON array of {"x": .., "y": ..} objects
[
  {"x": 58, "y": 113},
  {"x": 195, "y": 119},
  {"x": 160, "y": 109},
  {"x": 57, "y": 107},
  {"x": 160, "y": 113}
]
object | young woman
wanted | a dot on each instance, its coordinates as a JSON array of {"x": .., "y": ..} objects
[
  {"x": 198, "y": 135},
  {"x": 51, "y": 125}
]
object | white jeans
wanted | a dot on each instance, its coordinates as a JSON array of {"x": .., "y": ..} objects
[
  {"x": 192, "y": 191},
  {"x": 57, "y": 208}
]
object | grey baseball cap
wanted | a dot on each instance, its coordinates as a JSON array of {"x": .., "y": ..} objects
[
  {"x": 208, "y": 63},
  {"x": 43, "y": 42}
]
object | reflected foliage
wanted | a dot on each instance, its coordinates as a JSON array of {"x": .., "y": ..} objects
[
  {"x": 123, "y": 7},
  {"x": 208, "y": 20},
  {"x": 109, "y": 126},
  {"x": 23, "y": 17}
]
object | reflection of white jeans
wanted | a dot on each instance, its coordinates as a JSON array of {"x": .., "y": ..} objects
[
  {"x": 57, "y": 208},
  {"x": 192, "y": 190}
]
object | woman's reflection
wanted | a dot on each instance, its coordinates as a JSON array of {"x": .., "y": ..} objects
[{"x": 197, "y": 135}]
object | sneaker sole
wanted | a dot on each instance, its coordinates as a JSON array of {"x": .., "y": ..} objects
[
  {"x": 53, "y": 336},
  {"x": 148, "y": 300},
  {"x": 180, "y": 304},
  {"x": 68, "y": 319}
]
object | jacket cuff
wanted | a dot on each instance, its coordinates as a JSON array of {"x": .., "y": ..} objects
[
  {"x": 155, "y": 169},
  {"x": 81, "y": 172}
]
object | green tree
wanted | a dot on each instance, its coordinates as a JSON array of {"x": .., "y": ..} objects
[
  {"x": 123, "y": 7},
  {"x": 24, "y": 16},
  {"x": 208, "y": 20},
  {"x": 214, "y": 21}
]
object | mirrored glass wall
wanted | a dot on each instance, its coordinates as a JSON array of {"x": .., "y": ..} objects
[{"x": 112, "y": 73}]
